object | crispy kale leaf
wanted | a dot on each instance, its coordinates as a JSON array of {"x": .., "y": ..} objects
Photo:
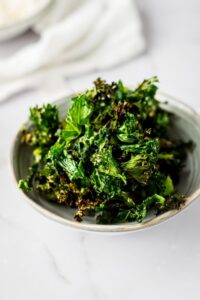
[
  {"x": 40, "y": 135},
  {"x": 111, "y": 158},
  {"x": 45, "y": 120}
]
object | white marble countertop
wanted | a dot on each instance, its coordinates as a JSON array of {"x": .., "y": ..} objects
[{"x": 40, "y": 259}]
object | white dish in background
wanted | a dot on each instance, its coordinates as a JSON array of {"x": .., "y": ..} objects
[{"x": 15, "y": 28}]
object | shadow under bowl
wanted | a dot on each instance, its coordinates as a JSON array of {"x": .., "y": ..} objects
[{"x": 186, "y": 126}]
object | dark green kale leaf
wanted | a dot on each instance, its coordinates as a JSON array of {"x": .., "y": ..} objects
[
  {"x": 107, "y": 179},
  {"x": 40, "y": 135},
  {"x": 143, "y": 160},
  {"x": 130, "y": 130},
  {"x": 45, "y": 123}
]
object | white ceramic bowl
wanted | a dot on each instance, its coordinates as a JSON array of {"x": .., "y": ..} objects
[
  {"x": 186, "y": 126},
  {"x": 10, "y": 31}
]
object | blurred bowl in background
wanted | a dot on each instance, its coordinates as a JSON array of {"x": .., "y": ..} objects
[{"x": 19, "y": 26}]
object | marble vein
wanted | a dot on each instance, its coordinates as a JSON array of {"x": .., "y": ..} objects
[
  {"x": 55, "y": 265},
  {"x": 52, "y": 258}
]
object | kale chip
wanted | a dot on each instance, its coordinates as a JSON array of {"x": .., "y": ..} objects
[{"x": 112, "y": 157}]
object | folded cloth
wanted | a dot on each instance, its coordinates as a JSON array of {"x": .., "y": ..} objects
[{"x": 80, "y": 36}]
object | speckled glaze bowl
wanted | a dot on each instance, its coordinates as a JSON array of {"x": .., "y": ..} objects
[{"x": 186, "y": 126}]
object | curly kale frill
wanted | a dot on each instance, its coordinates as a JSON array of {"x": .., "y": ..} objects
[{"x": 111, "y": 158}]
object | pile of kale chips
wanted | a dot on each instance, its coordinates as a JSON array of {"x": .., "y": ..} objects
[{"x": 111, "y": 157}]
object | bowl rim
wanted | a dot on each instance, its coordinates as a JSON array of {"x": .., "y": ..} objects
[
  {"x": 28, "y": 20},
  {"x": 112, "y": 228}
]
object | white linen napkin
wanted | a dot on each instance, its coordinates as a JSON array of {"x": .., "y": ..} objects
[{"x": 75, "y": 37}]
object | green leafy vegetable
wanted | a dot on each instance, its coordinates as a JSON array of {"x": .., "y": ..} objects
[
  {"x": 112, "y": 157},
  {"x": 46, "y": 123},
  {"x": 80, "y": 111}
]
